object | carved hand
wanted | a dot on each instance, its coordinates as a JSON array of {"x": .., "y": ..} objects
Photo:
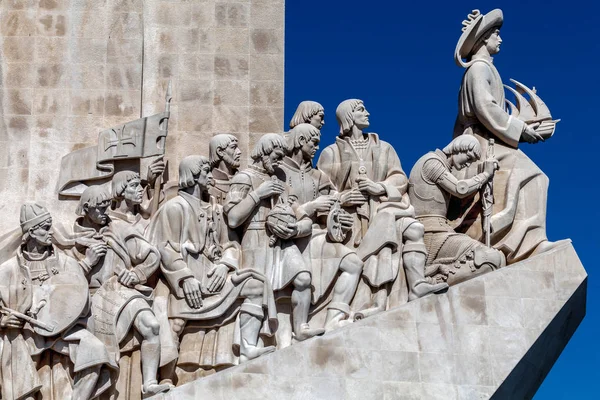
[
  {"x": 270, "y": 188},
  {"x": 191, "y": 290},
  {"x": 323, "y": 203},
  {"x": 11, "y": 321},
  {"x": 155, "y": 169},
  {"x": 347, "y": 221},
  {"x": 128, "y": 278},
  {"x": 546, "y": 129},
  {"x": 217, "y": 275},
  {"x": 490, "y": 166},
  {"x": 94, "y": 253},
  {"x": 367, "y": 185},
  {"x": 530, "y": 135},
  {"x": 285, "y": 232},
  {"x": 353, "y": 197}
]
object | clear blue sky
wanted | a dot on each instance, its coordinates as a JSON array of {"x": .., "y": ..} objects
[{"x": 398, "y": 57}]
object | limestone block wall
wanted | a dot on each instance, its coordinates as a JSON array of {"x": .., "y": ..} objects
[{"x": 71, "y": 68}]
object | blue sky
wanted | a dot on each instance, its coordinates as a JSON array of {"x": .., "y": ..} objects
[{"x": 398, "y": 58}]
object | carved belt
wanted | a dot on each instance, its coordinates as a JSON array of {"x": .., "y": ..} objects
[{"x": 256, "y": 226}]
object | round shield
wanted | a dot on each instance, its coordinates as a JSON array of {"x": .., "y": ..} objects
[{"x": 66, "y": 296}]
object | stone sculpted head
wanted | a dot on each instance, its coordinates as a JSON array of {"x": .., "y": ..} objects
[
  {"x": 127, "y": 185},
  {"x": 270, "y": 150},
  {"x": 351, "y": 113},
  {"x": 195, "y": 170},
  {"x": 479, "y": 31},
  {"x": 303, "y": 137},
  {"x": 93, "y": 204},
  {"x": 462, "y": 151},
  {"x": 36, "y": 224},
  {"x": 309, "y": 112},
  {"x": 224, "y": 147}
]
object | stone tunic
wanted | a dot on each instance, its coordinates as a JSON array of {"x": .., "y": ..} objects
[
  {"x": 280, "y": 263},
  {"x": 18, "y": 370},
  {"x": 388, "y": 215},
  {"x": 192, "y": 237},
  {"x": 220, "y": 188},
  {"x": 520, "y": 187},
  {"x": 324, "y": 256}
]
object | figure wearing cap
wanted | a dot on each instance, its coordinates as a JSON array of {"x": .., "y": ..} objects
[
  {"x": 49, "y": 287},
  {"x": 519, "y": 220}
]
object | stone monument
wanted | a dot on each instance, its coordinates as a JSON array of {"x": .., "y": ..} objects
[{"x": 195, "y": 250}]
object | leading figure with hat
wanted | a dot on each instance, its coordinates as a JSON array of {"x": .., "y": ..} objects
[{"x": 519, "y": 223}]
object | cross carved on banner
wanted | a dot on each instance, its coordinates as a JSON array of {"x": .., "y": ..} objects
[{"x": 120, "y": 142}]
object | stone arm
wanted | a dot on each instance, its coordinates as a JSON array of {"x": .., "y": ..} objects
[
  {"x": 462, "y": 188},
  {"x": 241, "y": 200},
  {"x": 230, "y": 243},
  {"x": 144, "y": 257},
  {"x": 479, "y": 93},
  {"x": 167, "y": 234},
  {"x": 396, "y": 181}
]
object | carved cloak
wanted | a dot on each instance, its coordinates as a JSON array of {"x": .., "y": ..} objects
[{"x": 520, "y": 187}]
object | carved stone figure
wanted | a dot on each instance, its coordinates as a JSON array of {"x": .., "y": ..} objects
[
  {"x": 367, "y": 172},
  {"x": 451, "y": 257},
  {"x": 519, "y": 223},
  {"x": 309, "y": 112},
  {"x": 200, "y": 262},
  {"x": 224, "y": 159},
  {"x": 330, "y": 260},
  {"x": 128, "y": 196},
  {"x": 44, "y": 304},
  {"x": 254, "y": 194},
  {"x": 118, "y": 262}
]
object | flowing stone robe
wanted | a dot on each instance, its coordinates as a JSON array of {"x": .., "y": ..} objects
[
  {"x": 388, "y": 215},
  {"x": 20, "y": 375},
  {"x": 279, "y": 269},
  {"x": 323, "y": 255},
  {"x": 188, "y": 233},
  {"x": 520, "y": 187},
  {"x": 446, "y": 248}
]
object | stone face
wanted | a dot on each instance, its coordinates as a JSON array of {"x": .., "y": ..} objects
[
  {"x": 453, "y": 346},
  {"x": 79, "y": 67}
]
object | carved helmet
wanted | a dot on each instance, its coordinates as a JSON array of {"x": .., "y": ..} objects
[
  {"x": 474, "y": 27},
  {"x": 31, "y": 215}
]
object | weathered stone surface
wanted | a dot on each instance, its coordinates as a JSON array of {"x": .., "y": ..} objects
[
  {"x": 70, "y": 69},
  {"x": 448, "y": 346}
]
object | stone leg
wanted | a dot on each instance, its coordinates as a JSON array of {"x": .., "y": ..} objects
[
  {"x": 414, "y": 256},
  {"x": 168, "y": 374},
  {"x": 301, "y": 297},
  {"x": 338, "y": 310},
  {"x": 84, "y": 382},
  {"x": 147, "y": 325},
  {"x": 251, "y": 316}
]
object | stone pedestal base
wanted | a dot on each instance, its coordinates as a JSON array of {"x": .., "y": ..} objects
[{"x": 495, "y": 336}]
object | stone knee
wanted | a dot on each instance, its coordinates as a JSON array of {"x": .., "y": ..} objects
[
  {"x": 147, "y": 325},
  {"x": 302, "y": 281},
  {"x": 253, "y": 289},
  {"x": 414, "y": 232},
  {"x": 352, "y": 264}
]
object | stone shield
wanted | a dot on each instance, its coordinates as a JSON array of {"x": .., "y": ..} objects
[{"x": 66, "y": 296}]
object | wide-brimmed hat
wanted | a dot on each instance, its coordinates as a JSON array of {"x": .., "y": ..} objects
[{"x": 474, "y": 27}]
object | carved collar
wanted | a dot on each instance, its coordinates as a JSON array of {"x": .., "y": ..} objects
[
  {"x": 220, "y": 175},
  {"x": 293, "y": 165},
  {"x": 196, "y": 204}
]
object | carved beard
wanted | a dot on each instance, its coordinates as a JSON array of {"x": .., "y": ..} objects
[
  {"x": 230, "y": 161},
  {"x": 268, "y": 165}
]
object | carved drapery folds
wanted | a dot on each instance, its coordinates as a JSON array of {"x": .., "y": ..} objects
[{"x": 178, "y": 278}]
